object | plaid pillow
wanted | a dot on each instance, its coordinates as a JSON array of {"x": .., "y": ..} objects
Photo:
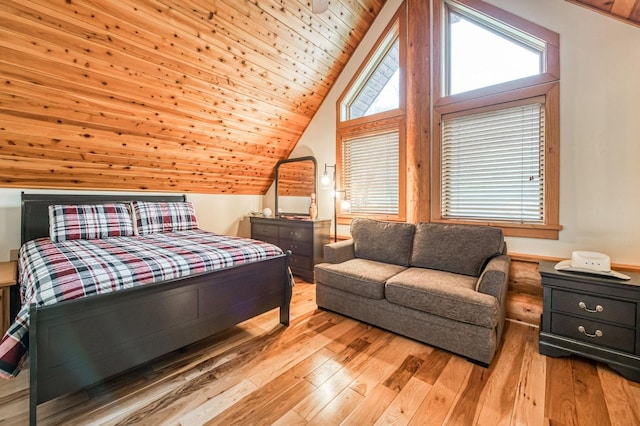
[
  {"x": 89, "y": 221},
  {"x": 164, "y": 216}
]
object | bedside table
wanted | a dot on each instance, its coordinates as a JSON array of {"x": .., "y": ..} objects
[
  {"x": 8, "y": 277},
  {"x": 592, "y": 316}
]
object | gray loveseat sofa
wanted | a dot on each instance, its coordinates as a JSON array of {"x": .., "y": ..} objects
[{"x": 444, "y": 285}]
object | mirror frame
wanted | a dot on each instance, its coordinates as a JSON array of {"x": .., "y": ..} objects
[{"x": 315, "y": 182}]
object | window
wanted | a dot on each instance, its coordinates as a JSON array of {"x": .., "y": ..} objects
[
  {"x": 481, "y": 54},
  {"x": 493, "y": 165},
  {"x": 371, "y": 134},
  {"x": 377, "y": 86},
  {"x": 371, "y": 174},
  {"x": 495, "y": 133}
]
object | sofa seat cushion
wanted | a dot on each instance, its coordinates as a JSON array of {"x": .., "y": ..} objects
[
  {"x": 362, "y": 277},
  {"x": 444, "y": 294}
]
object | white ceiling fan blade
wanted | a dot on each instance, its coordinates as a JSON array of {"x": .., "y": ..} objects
[{"x": 319, "y": 6}]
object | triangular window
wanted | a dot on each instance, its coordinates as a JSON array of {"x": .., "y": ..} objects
[
  {"x": 377, "y": 88},
  {"x": 482, "y": 51}
]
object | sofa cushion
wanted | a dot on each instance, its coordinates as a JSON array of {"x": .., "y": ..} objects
[
  {"x": 382, "y": 241},
  {"x": 362, "y": 277},
  {"x": 461, "y": 249},
  {"x": 444, "y": 294}
]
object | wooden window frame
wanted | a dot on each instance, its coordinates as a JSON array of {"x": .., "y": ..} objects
[
  {"x": 545, "y": 84},
  {"x": 379, "y": 122}
]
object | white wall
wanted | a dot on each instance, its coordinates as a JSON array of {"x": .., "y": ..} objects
[
  {"x": 224, "y": 214},
  {"x": 600, "y": 129}
]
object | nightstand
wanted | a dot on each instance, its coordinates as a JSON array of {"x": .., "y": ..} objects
[
  {"x": 592, "y": 316},
  {"x": 8, "y": 277}
]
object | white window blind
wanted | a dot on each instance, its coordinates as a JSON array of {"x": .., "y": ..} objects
[
  {"x": 370, "y": 173},
  {"x": 493, "y": 165}
]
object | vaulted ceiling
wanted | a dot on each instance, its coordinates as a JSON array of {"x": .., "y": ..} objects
[
  {"x": 171, "y": 95},
  {"x": 625, "y": 10},
  {"x": 166, "y": 95}
]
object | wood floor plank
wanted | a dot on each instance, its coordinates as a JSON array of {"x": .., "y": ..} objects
[
  {"x": 590, "y": 403},
  {"x": 327, "y": 369},
  {"x": 466, "y": 403},
  {"x": 261, "y": 366},
  {"x": 440, "y": 399},
  {"x": 310, "y": 406},
  {"x": 260, "y": 404},
  {"x": 622, "y": 405},
  {"x": 405, "y": 405},
  {"x": 371, "y": 407},
  {"x": 431, "y": 370},
  {"x": 528, "y": 408},
  {"x": 378, "y": 368},
  {"x": 338, "y": 409},
  {"x": 560, "y": 398},
  {"x": 497, "y": 399}
]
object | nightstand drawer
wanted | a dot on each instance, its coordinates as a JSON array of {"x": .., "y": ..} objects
[
  {"x": 259, "y": 230},
  {"x": 594, "y": 332},
  {"x": 594, "y": 307},
  {"x": 297, "y": 247},
  {"x": 296, "y": 234}
]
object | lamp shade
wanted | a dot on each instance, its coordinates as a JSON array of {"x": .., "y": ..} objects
[{"x": 325, "y": 181}]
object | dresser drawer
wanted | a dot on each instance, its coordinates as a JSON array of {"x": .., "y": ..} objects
[
  {"x": 267, "y": 239},
  {"x": 594, "y": 307},
  {"x": 297, "y": 247},
  {"x": 296, "y": 234},
  {"x": 259, "y": 230},
  {"x": 594, "y": 332},
  {"x": 300, "y": 262}
]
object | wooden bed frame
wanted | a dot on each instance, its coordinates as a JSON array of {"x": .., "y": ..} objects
[{"x": 77, "y": 343}]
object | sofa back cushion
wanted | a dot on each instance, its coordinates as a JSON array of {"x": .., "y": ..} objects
[
  {"x": 382, "y": 241},
  {"x": 461, "y": 249}
]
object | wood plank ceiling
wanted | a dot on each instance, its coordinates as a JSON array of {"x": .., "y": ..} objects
[
  {"x": 167, "y": 95},
  {"x": 625, "y": 10}
]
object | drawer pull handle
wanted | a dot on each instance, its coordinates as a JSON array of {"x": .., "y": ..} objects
[
  {"x": 583, "y": 305},
  {"x": 582, "y": 330}
]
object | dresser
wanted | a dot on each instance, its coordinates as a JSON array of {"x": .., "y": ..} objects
[
  {"x": 592, "y": 316},
  {"x": 304, "y": 238}
]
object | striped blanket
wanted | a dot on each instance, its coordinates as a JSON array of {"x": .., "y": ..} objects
[{"x": 53, "y": 272}]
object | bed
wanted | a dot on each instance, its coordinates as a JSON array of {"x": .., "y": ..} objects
[{"x": 76, "y": 343}]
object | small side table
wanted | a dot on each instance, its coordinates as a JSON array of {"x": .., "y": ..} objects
[
  {"x": 592, "y": 316},
  {"x": 8, "y": 278}
]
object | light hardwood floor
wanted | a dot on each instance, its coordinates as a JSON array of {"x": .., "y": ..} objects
[{"x": 325, "y": 369}]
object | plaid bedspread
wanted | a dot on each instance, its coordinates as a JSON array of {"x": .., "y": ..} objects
[{"x": 52, "y": 272}]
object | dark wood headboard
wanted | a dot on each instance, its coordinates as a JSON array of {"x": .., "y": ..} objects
[{"x": 35, "y": 208}]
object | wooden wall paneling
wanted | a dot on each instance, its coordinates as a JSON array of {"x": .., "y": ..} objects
[
  {"x": 164, "y": 95},
  {"x": 156, "y": 73},
  {"x": 625, "y": 10}
]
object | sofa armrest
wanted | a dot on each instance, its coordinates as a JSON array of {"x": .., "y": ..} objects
[
  {"x": 339, "y": 252},
  {"x": 494, "y": 279}
]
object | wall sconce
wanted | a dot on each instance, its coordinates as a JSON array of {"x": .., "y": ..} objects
[{"x": 345, "y": 205}]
